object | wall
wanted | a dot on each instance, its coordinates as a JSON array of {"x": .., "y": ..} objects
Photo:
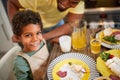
[
  {"x": 112, "y": 14},
  {"x": 5, "y": 32}
]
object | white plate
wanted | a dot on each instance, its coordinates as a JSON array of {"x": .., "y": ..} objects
[
  {"x": 111, "y": 46},
  {"x": 89, "y": 61}
]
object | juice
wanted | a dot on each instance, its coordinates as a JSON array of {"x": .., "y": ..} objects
[
  {"x": 78, "y": 40},
  {"x": 95, "y": 46},
  {"x": 79, "y": 35}
]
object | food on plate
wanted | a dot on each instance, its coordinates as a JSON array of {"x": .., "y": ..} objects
[
  {"x": 115, "y": 33},
  {"x": 71, "y": 71},
  {"x": 62, "y": 73},
  {"x": 105, "y": 56},
  {"x": 110, "y": 61},
  {"x": 110, "y": 39},
  {"x": 117, "y": 37},
  {"x": 107, "y": 32},
  {"x": 114, "y": 65},
  {"x": 110, "y": 36}
]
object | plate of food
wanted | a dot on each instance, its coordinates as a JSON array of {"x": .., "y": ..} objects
[
  {"x": 110, "y": 61},
  {"x": 72, "y": 66},
  {"x": 109, "y": 38}
]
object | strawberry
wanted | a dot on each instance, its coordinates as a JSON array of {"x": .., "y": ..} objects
[
  {"x": 111, "y": 56},
  {"x": 62, "y": 73}
]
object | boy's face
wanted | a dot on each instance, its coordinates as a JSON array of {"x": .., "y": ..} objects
[
  {"x": 65, "y": 4},
  {"x": 31, "y": 37}
]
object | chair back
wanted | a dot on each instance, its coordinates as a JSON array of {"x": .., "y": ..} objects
[{"x": 6, "y": 64}]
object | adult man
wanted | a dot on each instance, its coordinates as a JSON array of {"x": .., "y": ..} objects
[{"x": 52, "y": 12}]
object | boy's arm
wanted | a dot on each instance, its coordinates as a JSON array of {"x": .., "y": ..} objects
[{"x": 21, "y": 69}]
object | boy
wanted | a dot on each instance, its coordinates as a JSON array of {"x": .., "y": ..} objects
[{"x": 27, "y": 27}]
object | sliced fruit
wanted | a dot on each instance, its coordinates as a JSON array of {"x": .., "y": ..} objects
[{"x": 62, "y": 73}]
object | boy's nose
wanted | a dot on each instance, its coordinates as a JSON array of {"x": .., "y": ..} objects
[{"x": 34, "y": 38}]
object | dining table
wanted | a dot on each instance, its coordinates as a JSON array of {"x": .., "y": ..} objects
[{"x": 56, "y": 51}]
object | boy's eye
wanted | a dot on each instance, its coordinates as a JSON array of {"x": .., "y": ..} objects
[
  {"x": 39, "y": 33},
  {"x": 28, "y": 35}
]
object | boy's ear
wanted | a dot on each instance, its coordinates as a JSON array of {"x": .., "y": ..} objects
[{"x": 15, "y": 38}]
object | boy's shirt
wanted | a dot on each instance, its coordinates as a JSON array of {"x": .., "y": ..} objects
[{"x": 22, "y": 67}]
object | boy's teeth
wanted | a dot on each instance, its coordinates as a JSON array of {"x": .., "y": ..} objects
[{"x": 35, "y": 44}]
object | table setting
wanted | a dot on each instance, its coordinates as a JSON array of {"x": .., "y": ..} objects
[
  {"x": 61, "y": 64},
  {"x": 110, "y": 38},
  {"x": 106, "y": 62},
  {"x": 84, "y": 62}
]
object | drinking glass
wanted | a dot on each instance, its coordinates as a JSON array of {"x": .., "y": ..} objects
[
  {"x": 95, "y": 46},
  {"x": 65, "y": 43},
  {"x": 79, "y": 35}
]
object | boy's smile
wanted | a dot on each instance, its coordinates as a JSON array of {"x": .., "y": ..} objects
[{"x": 31, "y": 37}]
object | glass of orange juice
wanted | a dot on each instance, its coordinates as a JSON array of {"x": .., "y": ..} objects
[
  {"x": 79, "y": 36},
  {"x": 95, "y": 46}
]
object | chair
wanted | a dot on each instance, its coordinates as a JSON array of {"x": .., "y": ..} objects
[{"x": 6, "y": 64}]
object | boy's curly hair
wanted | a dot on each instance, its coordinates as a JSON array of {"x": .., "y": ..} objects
[{"x": 23, "y": 18}]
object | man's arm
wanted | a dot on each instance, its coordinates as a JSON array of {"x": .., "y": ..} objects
[
  {"x": 64, "y": 29},
  {"x": 12, "y": 7}
]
